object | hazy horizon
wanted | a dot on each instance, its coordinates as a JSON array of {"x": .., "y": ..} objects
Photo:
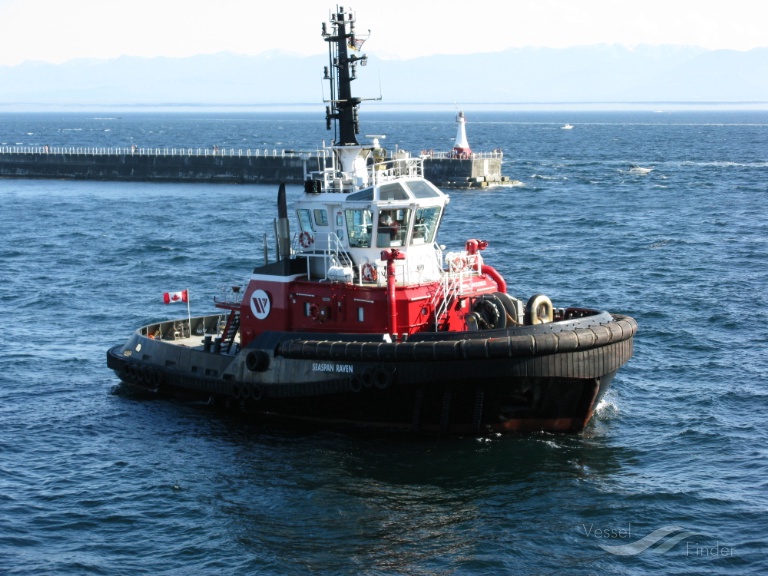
[{"x": 399, "y": 29}]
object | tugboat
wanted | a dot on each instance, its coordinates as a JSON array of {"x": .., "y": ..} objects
[{"x": 364, "y": 321}]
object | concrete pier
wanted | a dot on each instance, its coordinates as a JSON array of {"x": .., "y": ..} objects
[
  {"x": 159, "y": 165},
  {"x": 475, "y": 171},
  {"x": 226, "y": 166}
]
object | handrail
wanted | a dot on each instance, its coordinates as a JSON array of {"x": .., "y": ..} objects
[
  {"x": 223, "y": 152},
  {"x": 332, "y": 254},
  {"x": 460, "y": 267},
  {"x": 166, "y": 151},
  {"x": 452, "y": 155}
]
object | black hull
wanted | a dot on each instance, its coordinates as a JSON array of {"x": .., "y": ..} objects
[{"x": 549, "y": 377}]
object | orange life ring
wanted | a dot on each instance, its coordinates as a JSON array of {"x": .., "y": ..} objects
[
  {"x": 458, "y": 263},
  {"x": 370, "y": 274},
  {"x": 305, "y": 239}
]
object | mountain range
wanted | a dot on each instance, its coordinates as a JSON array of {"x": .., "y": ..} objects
[{"x": 600, "y": 73}]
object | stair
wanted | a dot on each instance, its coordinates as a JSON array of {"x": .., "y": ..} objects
[
  {"x": 446, "y": 293},
  {"x": 230, "y": 331}
]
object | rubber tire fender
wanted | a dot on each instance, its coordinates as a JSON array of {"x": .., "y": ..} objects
[{"x": 257, "y": 361}]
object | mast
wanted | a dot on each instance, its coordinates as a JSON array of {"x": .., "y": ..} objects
[{"x": 340, "y": 72}]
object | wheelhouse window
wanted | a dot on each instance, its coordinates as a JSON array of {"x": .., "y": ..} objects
[
  {"x": 392, "y": 191},
  {"x": 362, "y": 196},
  {"x": 425, "y": 225},
  {"x": 422, "y": 189},
  {"x": 321, "y": 217},
  {"x": 393, "y": 227},
  {"x": 305, "y": 219},
  {"x": 359, "y": 227}
]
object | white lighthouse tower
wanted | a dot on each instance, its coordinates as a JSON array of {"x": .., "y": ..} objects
[{"x": 461, "y": 146}]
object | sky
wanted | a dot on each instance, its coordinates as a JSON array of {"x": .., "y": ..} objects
[{"x": 60, "y": 30}]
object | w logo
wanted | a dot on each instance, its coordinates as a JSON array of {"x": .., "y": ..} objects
[
  {"x": 260, "y": 304},
  {"x": 674, "y": 533}
]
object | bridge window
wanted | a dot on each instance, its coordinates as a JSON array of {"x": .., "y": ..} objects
[
  {"x": 359, "y": 227},
  {"x": 393, "y": 227},
  {"x": 363, "y": 196},
  {"x": 392, "y": 191},
  {"x": 422, "y": 189},
  {"x": 321, "y": 217},
  {"x": 425, "y": 225},
  {"x": 305, "y": 219}
]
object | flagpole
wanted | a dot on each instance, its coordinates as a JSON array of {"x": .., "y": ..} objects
[{"x": 189, "y": 315}]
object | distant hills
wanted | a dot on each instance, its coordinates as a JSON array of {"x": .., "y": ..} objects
[{"x": 601, "y": 73}]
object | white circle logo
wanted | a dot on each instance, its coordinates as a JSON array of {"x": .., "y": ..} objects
[{"x": 260, "y": 304}]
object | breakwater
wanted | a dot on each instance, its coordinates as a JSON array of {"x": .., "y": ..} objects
[{"x": 214, "y": 165}]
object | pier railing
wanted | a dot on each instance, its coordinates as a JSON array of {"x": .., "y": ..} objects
[
  {"x": 451, "y": 155},
  {"x": 137, "y": 151},
  {"x": 220, "y": 152}
]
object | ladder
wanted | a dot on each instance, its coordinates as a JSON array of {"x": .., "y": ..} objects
[
  {"x": 230, "y": 331},
  {"x": 447, "y": 291},
  {"x": 452, "y": 284}
]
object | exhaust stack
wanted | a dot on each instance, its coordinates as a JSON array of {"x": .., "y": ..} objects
[{"x": 282, "y": 228}]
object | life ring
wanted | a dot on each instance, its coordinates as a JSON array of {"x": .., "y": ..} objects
[
  {"x": 458, "y": 263},
  {"x": 370, "y": 274},
  {"x": 314, "y": 311},
  {"x": 305, "y": 239},
  {"x": 539, "y": 310}
]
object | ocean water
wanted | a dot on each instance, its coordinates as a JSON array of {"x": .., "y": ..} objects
[{"x": 97, "y": 480}]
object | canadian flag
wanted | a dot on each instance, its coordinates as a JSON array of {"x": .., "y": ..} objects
[{"x": 173, "y": 297}]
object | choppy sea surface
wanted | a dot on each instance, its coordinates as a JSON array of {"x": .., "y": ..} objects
[{"x": 671, "y": 477}]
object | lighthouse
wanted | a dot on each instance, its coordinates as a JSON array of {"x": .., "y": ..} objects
[{"x": 461, "y": 146}]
